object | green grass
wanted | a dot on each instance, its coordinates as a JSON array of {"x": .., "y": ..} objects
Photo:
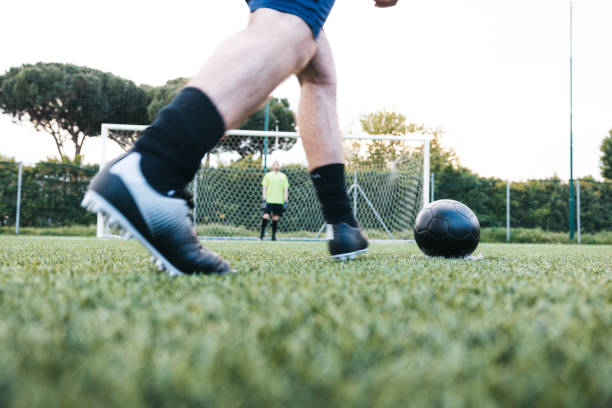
[
  {"x": 71, "y": 231},
  {"x": 539, "y": 236},
  {"x": 518, "y": 235},
  {"x": 87, "y": 322}
]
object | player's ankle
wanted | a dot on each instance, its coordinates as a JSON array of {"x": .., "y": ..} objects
[
  {"x": 330, "y": 185},
  {"x": 182, "y": 133},
  {"x": 347, "y": 217},
  {"x": 159, "y": 173}
]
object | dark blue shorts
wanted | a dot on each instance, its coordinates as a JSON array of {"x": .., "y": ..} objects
[{"x": 313, "y": 12}]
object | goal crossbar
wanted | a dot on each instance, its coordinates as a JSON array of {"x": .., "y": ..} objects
[{"x": 424, "y": 139}]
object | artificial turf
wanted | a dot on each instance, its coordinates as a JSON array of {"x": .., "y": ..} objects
[{"x": 86, "y": 322}]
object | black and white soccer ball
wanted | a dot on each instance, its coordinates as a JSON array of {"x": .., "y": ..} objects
[{"x": 447, "y": 228}]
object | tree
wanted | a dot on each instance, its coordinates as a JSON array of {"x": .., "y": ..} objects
[
  {"x": 441, "y": 159},
  {"x": 386, "y": 123},
  {"x": 70, "y": 102},
  {"x": 157, "y": 98},
  {"x": 452, "y": 180},
  {"x": 162, "y": 95},
  {"x": 280, "y": 115},
  {"x": 606, "y": 158},
  {"x": 390, "y": 124}
]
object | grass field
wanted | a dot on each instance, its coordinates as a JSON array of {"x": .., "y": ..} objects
[
  {"x": 90, "y": 323},
  {"x": 490, "y": 235}
]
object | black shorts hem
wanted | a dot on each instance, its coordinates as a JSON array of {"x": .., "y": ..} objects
[{"x": 274, "y": 209}]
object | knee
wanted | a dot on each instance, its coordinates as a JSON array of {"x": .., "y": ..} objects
[
  {"x": 266, "y": 216},
  {"x": 275, "y": 218},
  {"x": 289, "y": 33},
  {"x": 319, "y": 75}
]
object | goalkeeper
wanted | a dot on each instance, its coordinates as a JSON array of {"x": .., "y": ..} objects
[{"x": 275, "y": 194}]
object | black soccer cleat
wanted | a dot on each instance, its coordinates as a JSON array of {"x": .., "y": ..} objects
[
  {"x": 162, "y": 223},
  {"x": 347, "y": 242}
]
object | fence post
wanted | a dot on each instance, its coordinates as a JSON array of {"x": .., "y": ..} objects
[
  {"x": 18, "y": 212},
  {"x": 355, "y": 195},
  {"x": 578, "y": 210},
  {"x": 426, "y": 172},
  {"x": 433, "y": 184},
  {"x": 266, "y": 124},
  {"x": 101, "y": 228},
  {"x": 508, "y": 211},
  {"x": 195, "y": 199}
]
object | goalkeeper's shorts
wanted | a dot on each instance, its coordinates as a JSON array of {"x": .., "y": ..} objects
[
  {"x": 274, "y": 209},
  {"x": 313, "y": 12}
]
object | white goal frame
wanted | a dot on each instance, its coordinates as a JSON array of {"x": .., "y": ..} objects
[{"x": 106, "y": 127}]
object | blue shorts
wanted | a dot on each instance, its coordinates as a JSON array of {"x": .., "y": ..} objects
[{"x": 313, "y": 12}]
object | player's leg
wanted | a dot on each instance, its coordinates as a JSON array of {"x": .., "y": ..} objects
[
  {"x": 317, "y": 114},
  {"x": 274, "y": 225},
  {"x": 234, "y": 81},
  {"x": 144, "y": 190},
  {"x": 264, "y": 223},
  {"x": 319, "y": 129},
  {"x": 245, "y": 68}
]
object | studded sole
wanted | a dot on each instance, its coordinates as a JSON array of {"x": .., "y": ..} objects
[
  {"x": 349, "y": 255},
  {"x": 94, "y": 203}
]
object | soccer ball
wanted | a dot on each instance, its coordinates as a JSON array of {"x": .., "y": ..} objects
[{"x": 447, "y": 228}]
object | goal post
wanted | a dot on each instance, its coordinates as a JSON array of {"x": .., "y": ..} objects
[{"x": 387, "y": 181}]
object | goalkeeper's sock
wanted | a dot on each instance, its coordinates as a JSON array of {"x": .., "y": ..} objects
[
  {"x": 173, "y": 146},
  {"x": 331, "y": 189},
  {"x": 264, "y": 223},
  {"x": 274, "y": 226}
]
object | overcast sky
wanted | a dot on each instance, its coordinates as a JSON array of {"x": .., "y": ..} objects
[{"x": 494, "y": 74}]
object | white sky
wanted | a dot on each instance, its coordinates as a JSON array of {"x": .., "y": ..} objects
[{"x": 494, "y": 74}]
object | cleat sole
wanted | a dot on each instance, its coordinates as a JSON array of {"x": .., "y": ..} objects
[
  {"x": 99, "y": 204},
  {"x": 349, "y": 255}
]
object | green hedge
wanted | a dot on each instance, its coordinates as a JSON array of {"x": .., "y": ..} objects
[
  {"x": 51, "y": 194},
  {"x": 8, "y": 192},
  {"x": 539, "y": 236},
  {"x": 487, "y": 235},
  {"x": 534, "y": 204}
]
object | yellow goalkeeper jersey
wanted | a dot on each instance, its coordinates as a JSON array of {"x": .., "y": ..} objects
[{"x": 275, "y": 184}]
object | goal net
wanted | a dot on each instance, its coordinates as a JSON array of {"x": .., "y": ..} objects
[{"x": 387, "y": 178}]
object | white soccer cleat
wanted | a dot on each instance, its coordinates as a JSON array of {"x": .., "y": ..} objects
[{"x": 163, "y": 224}]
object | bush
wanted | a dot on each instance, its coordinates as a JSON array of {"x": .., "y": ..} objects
[
  {"x": 534, "y": 204},
  {"x": 540, "y": 236},
  {"x": 8, "y": 192},
  {"x": 51, "y": 194},
  {"x": 71, "y": 231}
]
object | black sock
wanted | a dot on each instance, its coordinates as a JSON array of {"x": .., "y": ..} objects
[
  {"x": 173, "y": 146},
  {"x": 331, "y": 189},
  {"x": 264, "y": 223},
  {"x": 274, "y": 225}
]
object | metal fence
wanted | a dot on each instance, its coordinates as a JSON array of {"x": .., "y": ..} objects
[
  {"x": 10, "y": 193},
  {"x": 540, "y": 204},
  {"x": 47, "y": 194}
]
